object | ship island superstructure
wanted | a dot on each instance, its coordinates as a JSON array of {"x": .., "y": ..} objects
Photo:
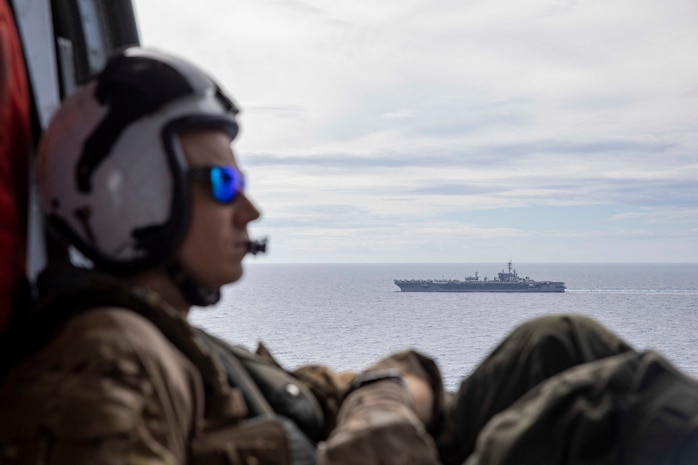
[{"x": 506, "y": 281}]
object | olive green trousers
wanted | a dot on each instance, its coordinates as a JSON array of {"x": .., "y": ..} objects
[{"x": 564, "y": 389}]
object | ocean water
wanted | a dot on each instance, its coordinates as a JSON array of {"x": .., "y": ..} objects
[{"x": 348, "y": 316}]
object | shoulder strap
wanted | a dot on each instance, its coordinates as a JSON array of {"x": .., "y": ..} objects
[
  {"x": 268, "y": 388},
  {"x": 238, "y": 376}
]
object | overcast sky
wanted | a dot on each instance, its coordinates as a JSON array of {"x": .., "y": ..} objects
[{"x": 457, "y": 131}]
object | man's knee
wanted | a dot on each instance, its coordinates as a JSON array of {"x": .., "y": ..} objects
[
  {"x": 569, "y": 339},
  {"x": 544, "y": 346}
]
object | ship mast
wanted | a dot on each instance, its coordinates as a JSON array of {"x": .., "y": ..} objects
[{"x": 511, "y": 276}]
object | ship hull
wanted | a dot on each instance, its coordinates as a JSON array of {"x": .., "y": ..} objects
[{"x": 480, "y": 286}]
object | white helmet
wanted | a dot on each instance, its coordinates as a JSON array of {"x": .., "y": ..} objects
[{"x": 112, "y": 173}]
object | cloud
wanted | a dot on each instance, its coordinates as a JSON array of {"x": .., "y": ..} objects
[
  {"x": 660, "y": 215},
  {"x": 390, "y": 130},
  {"x": 399, "y": 114}
]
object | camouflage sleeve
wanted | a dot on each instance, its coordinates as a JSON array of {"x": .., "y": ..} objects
[
  {"x": 419, "y": 365},
  {"x": 330, "y": 386},
  {"x": 109, "y": 388}
]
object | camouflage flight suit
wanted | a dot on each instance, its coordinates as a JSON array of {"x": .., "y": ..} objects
[{"x": 135, "y": 383}]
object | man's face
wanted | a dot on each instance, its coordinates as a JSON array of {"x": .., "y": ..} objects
[{"x": 216, "y": 241}]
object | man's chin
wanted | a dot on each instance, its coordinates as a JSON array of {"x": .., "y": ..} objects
[
  {"x": 235, "y": 274},
  {"x": 219, "y": 279}
]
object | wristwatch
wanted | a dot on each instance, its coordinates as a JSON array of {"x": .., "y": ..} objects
[{"x": 368, "y": 377}]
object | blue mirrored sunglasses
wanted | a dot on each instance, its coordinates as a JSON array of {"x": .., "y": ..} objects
[{"x": 226, "y": 181}]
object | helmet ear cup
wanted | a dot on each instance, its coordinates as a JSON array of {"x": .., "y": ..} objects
[{"x": 112, "y": 173}]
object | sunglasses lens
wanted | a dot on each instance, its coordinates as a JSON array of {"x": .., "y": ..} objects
[{"x": 226, "y": 183}]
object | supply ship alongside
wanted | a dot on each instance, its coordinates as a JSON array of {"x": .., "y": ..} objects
[{"x": 506, "y": 281}]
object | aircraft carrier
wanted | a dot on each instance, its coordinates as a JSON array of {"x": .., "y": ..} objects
[{"x": 506, "y": 281}]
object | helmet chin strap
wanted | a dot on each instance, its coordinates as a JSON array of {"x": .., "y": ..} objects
[{"x": 193, "y": 293}]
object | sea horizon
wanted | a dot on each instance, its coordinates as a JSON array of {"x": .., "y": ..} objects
[{"x": 348, "y": 315}]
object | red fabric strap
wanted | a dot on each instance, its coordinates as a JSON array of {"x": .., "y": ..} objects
[{"x": 14, "y": 153}]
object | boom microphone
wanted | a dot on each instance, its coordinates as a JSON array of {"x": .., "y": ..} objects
[{"x": 254, "y": 247}]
